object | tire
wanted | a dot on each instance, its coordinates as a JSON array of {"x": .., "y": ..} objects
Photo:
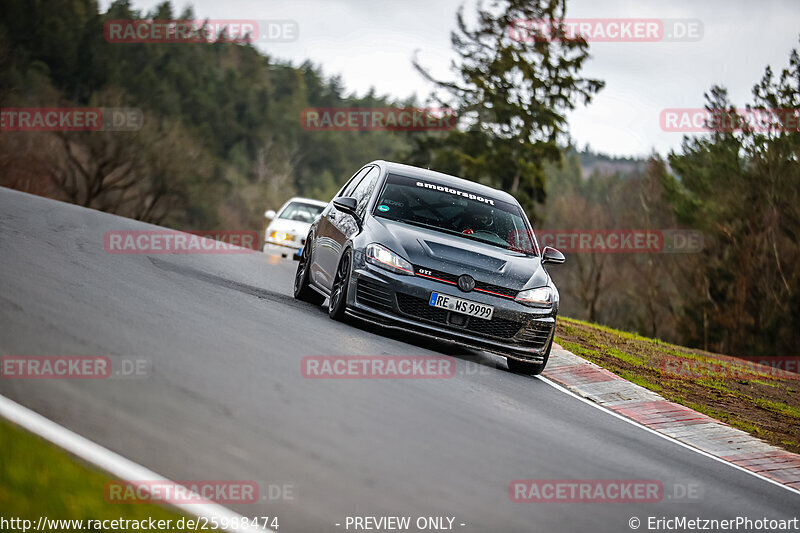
[
  {"x": 302, "y": 290},
  {"x": 529, "y": 369},
  {"x": 338, "y": 298}
]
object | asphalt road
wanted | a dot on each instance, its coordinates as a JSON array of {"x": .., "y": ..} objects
[{"x": 224, "y": 397}]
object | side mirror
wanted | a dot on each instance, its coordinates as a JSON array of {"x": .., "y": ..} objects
[
  {"x": 551, "y": 255},
  {"x": 346, "y": 204},
  {"x": 270, "y": 214}
]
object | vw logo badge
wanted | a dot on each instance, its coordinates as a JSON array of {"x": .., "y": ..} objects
[{"x": 466, "y": 283}]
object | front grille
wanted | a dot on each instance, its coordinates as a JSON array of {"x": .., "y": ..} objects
[
  {"x": 374, "y": 295},
  {"x": 444, "y": 276},
  {"x": 452, "y": 279},
  {"x": 496, "y": 327},
  {"x": 418, "y": 307},
  {"x": 505, "y": 291},
  {"x": 535, "y": 334}
]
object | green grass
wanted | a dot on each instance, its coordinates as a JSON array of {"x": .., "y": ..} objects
[
  {"x": 781, "y": 408},
  {"x": 714, "y": 384},
  {"x": 734, "y": 391},
  {"x": 591, "y": 354},
  {"x": 640, "y": 380},
  {"x": 767, "y": 383},
  {"x": 38, "y": 479}
]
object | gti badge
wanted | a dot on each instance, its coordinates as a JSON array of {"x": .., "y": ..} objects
[{"x": 466, "y": 283}]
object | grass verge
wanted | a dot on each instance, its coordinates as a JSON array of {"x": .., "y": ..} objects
[
  {"x": 39, "y": 479},
  {"x": 759, "y": 399}
]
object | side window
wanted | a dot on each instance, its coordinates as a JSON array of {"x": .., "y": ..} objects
[
  {"x": 363, "y": 190},
  {"x": 347, "y": 190}
]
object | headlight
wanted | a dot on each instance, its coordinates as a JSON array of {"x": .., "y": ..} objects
[
  {"x": 541, "y": 297},
  {"x": 383, "y": 257},
  {"x": 281, "y": 236}
]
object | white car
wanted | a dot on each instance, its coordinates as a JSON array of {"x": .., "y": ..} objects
[{"x": 286, "y": 233}]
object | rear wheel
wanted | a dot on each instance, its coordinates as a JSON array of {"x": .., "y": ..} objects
[
  {"x": 338, "y": 299},
  {"x": 302, "y": 289},
  {"x": 529, "y": 369}
]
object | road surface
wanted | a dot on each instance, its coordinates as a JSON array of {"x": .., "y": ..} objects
[{"x": 224, "y": 398}]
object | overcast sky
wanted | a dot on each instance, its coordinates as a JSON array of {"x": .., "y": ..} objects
[{"x": 371, "y": 43}]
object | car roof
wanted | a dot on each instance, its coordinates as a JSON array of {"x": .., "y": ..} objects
[
  {"x": 444, "y": 179},
  {"x": 306, "y": 201}
]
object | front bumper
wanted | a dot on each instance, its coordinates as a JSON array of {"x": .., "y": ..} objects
[
  {"x": 401, "y": 302},
  {"x": 288, "y": 249}
]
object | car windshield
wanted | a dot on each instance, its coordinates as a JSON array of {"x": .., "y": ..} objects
[
  {"x": 456, "y": 212},
  {"x": 301, "y": 212}
]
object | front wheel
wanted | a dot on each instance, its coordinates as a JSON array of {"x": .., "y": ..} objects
[
  {"x": 529, "y": 369},
  {"x": 338, "y": 299},
  {"x": 302, "y": 290}
]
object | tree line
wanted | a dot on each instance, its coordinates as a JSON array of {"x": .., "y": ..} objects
[
  {"x": 221, "y": 137},
  {"x": 222, "y": 140}
]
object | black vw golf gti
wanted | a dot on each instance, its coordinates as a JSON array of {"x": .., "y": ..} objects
[{"x": 418, "y": 250}]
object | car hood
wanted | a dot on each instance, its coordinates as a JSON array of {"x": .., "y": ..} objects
[
  {"x": 289, "y": 226},
  {"x": 456, "y": 255}
]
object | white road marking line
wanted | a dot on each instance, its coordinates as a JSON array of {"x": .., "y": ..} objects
[
  {"x": 111, "y": 462},
  {"x": 663, "y": 436}
]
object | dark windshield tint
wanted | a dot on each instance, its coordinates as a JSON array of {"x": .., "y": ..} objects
[
  {"x": 456, "y": 212},
  {"x": 301, "y": 212}
]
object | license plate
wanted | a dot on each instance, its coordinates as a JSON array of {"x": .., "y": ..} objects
[{"x": 459, "y": 305}]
